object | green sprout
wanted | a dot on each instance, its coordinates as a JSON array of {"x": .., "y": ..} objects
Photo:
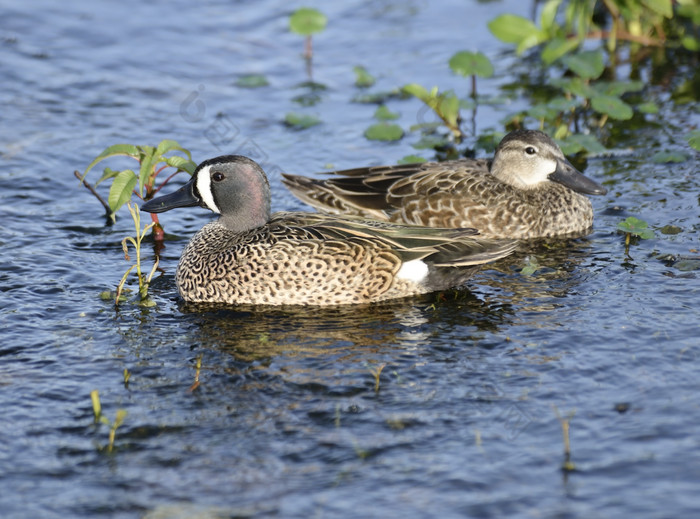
[
  {"x": 376, "y": 373},
  {"x": 634, "y": 227},
  {"x": 567, "y": 465},
  {"x": 144, "y": 300},
  {"x": 100, "y": 418}
]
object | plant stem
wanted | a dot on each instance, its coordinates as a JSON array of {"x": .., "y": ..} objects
[{"x": 93, "y": 191}]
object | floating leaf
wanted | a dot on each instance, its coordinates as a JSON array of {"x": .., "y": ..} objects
[
  {"x": 384, "y": 114},
  {"x": 648, "y": 108},
  {"x": 668, "y": 157},
  {"x": 300, "y": 121},
  {"x": 670, "y": 229},
  {"x": 307, "y": 21},
  {"x": 121, "y": 189},
  {"x": 412, "y": 159},
  {"x": 363, "y": 79},
  {"x": 613, "y": 107},
  {"x": 586, "y": 65},
  {"x": 252, "y": 81},
  {"x": 636, "y": 227},
  {"x": 693, "y": 139},
  {"x": 467, "y": 63},
  {"x": 384, "y": 132},
  {"x": 578, "y": 142}
]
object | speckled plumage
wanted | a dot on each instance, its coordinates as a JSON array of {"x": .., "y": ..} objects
[
  {"x": 309, "y": 259},
  {"x": 519, "y": 194}
]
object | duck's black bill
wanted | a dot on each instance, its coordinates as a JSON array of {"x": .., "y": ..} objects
[
  {"x": 572, "y": 178},
  {"x": 183, "y": 197}
]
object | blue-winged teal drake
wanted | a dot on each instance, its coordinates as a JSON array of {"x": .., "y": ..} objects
[
  {"x": 528, "y": 190},
  {"x": 248, "y": 256}
]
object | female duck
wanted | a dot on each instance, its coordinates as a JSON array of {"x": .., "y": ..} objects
[
  {"x": 248, "y": 256},
  {"x": 528, "y": 190}
]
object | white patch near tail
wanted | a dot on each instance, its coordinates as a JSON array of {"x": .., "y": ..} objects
[
  {"x": 414, "y": 270},
  {"x": 204, "y": 188}
]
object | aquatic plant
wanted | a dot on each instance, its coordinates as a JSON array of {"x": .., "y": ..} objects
[
  {"x": 136, "y": 241},
  {"x": 567, "y": 464},
  {"x": 125, "y": 183},
  {"x": 100, "y": 418},
  {"x": 634, "y": 227},
  {"x": 198, "y": 368},
  {"x": 306, "y": 22}
]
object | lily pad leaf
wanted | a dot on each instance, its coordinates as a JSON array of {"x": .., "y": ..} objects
[
  {"x": 384, "y": 114},
  {"x": 467, "y": 63},
  {"x": 307, "y": 21},
  {"x": 636, "y": 227},
  {"x": 412, "y": 159},
  {"x": 301, "y": 121},
  {"x": 363, "y": 79},
  {"x": 384, "y": 132},
  {"x": 252, "y": 81},
  {"x": 613, "y": 107},
  {"x": 668, "y": 157},
  {"x": 693, "y": 139}
]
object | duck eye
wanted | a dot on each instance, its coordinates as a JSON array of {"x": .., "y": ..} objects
[
  {"x": 217, "y": 176},
  {"x": 530, "y": 150}
]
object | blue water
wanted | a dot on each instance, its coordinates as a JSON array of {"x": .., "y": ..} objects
[{"x": 288, "y": 419}]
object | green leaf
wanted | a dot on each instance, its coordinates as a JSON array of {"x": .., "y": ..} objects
[
  {"x": 467, "y": 63},
  {"x": 557, "y": 48},
  {"x": 693, "y": 139},
  {"x": 417, "y": 90},
  {"x": 690, "y": 42},
  {"x": 252, "y": 81},
  {"x": 108, "y": 173},
  {"x": 363, "y": 79},
  {"x": 584, "y": 142},
  {"x": 412, "y": 159},
  {"x": 648, "y": 108},
  {"x": 182, "y": 163},
  {"x": 167, "y": 145},
  {"x": 613, "y": 107},
  {"x": 636, "y": 227},
  {"x": 549, "y": 14},
  {"x": 301, "y": 121},
  {"x": 117, "y": 149},
  {"x": 121, "y": 189},
  {"x": 149, "y": 158},
  {"x": 663, "y": 7},
  {"x": 586, "y": 65},
  {"x": 384, "y": 114},
  {"x": 307, "y": 21},
  {"x": 511, "y": 28},
  {"x": 384, "y": 132},
  {"x": 668, "y": 157}
]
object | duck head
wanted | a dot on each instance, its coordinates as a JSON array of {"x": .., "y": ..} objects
[
  {"x": 528, "y": 158},
  {"x": 234, "y": 187}
]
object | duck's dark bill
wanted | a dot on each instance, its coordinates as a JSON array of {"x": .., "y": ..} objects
[
  {"x": 183, "y": 197},
  {"x": 569, "y": 176}
]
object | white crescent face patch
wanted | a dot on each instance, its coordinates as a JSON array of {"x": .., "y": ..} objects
[{"x": 203, "y": 183}]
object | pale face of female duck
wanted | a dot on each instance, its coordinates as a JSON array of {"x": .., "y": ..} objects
[
  {"x": 529, "y": 190},
  {"x": 527, "y": 159},
  {"x": 248, "y": 256}
]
